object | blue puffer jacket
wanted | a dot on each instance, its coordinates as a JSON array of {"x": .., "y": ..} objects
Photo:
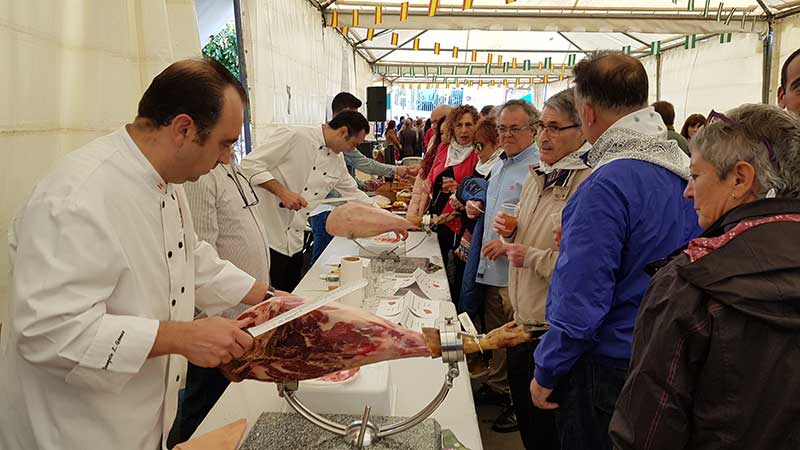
[
  {"x": 472, "y": 293},
  {"x": 627, "y": 214}
]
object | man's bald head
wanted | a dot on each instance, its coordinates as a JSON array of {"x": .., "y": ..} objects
[
  {"x": 440, "y": 112},
  {"x": 612, "y": 81}
]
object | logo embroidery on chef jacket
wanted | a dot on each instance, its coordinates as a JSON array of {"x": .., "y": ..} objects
[{"x": 114, "y": 350}]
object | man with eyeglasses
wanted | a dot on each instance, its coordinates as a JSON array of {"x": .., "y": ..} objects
[
  {"x": 517, "y": 129},
  {"x": 222, "y": 205},
  {"x": 295, "y": 170},
  {"x": 628, "y": 213},
  {"x": 532, "y": 251}
]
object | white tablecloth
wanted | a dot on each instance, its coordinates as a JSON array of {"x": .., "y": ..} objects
[{"x": 417, "y": 380}]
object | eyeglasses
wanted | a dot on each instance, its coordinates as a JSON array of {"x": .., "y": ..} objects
[
  {"x": 234, "y": 174},
  {"x": 554, "y": 130},
  {"x": 513, "y": 130},
  {"x": 715, "y": 115}
]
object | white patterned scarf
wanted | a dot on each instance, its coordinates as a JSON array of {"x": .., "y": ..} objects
[
  {"x": 640, "y": 135},
  {"x": 456, "y": 154},
  {"x": 573, "y": 161},
  {"x": 484, "y": 168}
]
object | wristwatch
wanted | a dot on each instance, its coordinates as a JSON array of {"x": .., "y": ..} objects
[{"x": 270, "y": 293}]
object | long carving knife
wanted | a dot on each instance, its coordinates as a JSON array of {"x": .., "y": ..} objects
[{"x": 293, "y": 314}]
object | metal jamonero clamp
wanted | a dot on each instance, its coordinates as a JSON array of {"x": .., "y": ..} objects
[{"x": 362, "y": 433}]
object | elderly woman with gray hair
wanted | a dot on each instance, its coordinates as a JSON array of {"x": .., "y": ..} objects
[{"x": 716, "y": 351}]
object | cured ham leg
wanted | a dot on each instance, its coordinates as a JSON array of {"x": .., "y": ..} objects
[
  {"x": 357, "y": 220},
  {"x": 332, "y": 338},
  {"x": 337, "y": 337},
  {"x": 508, "y": 335}
]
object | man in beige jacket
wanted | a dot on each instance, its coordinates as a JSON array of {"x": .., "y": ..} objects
[{"x": 532, "y": 250}]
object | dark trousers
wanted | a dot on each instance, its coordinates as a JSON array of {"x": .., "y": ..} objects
[
  {"x": 285, "y": 272},
  {"x": 537, "y": 427},
  {"x": 587, "y": 395},
  {"x": 204, "y": 386},
  {"x": 321, "y": 236}
]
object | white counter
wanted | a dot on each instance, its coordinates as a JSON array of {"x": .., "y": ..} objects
[{"x": 417, "y": 380}]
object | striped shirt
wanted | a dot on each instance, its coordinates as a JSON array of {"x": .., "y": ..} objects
[{"x": 221, "y": 219}]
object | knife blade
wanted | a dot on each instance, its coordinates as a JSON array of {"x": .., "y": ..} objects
[
  {"x": 326, "y": 201},
  {"x": 293, "y": 314}
]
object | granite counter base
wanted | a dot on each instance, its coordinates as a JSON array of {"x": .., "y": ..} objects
[{"x": 282, "y": 431}]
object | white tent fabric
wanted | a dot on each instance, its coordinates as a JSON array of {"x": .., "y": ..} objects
[
  {"x": 542, "y": 30},
  {"x": 288, "y": 51},
  {"x": 71, "y": 71},
  {"x": 710, "y": 76}
]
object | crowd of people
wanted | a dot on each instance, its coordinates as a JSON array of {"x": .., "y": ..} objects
[
  {"x": 405, "y": 138},
  {"x": 587, "y": 221},
  {"x": 656, "y": 270}
]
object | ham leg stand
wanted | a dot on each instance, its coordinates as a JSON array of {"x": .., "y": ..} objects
[{"x": 363, "y": 433}]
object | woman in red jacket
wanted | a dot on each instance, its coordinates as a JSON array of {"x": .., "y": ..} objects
[{"x": 455, "y": 160}]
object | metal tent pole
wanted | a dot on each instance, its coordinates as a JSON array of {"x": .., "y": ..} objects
[{"x": 767, "y": 65}]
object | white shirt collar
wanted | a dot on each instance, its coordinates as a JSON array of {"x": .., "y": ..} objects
[
  {"x": 319, "y": 137},
  {"x": 145, "y": 168}
]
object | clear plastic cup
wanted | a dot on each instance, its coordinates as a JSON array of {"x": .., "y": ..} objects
[{"x": 508, "y": 211}]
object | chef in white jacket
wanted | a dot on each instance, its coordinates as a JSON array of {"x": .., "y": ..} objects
[
  {"x": 295, "y": 169},
  {"x": 107, "y": 271}
]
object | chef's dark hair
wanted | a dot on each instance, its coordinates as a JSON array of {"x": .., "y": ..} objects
[
  {"x": 195, "y": 87},
  {"x": 344, "y": 100},
  {"x": 785, "y": 68},
  {"x": 353, "y": 120}
]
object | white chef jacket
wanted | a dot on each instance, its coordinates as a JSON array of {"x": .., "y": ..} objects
[
  {"x": 101, "y": 252},
  {"x": 298, "y": 158}
]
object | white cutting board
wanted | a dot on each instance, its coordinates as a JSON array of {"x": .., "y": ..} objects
[{"x": 370, "y": 387}]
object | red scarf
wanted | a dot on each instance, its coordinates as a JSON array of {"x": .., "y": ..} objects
[{"x": 701, "y": 247}]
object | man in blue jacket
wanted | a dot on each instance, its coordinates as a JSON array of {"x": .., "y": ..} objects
[{"x": 628, "y": 213}]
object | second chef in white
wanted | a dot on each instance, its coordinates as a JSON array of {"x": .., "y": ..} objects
[{"x": 295, "y": 166}]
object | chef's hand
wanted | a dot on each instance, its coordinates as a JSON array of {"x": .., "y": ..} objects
[
  {"x": 557, "y": 236},
  {"x": 406, "y": 171},
  {"x": 457, "y": 205},
  {"x": 539, "y": 396},
  {"x": 474, "y": 208},
  {"x": 213, "y": 341},
  {"x": 503, "y": 226},
  {"x": 494, "y": 249},
  {"x": 372, "y": 184},
  {"x": 279, "y": 293},
  {"x": 516, "y": 254},
  {"x": 449, "y": 185},
  {"x": 292, "y": 200}
]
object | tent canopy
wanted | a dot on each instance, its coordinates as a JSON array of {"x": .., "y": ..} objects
[{"x": 547, "y": 32}]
